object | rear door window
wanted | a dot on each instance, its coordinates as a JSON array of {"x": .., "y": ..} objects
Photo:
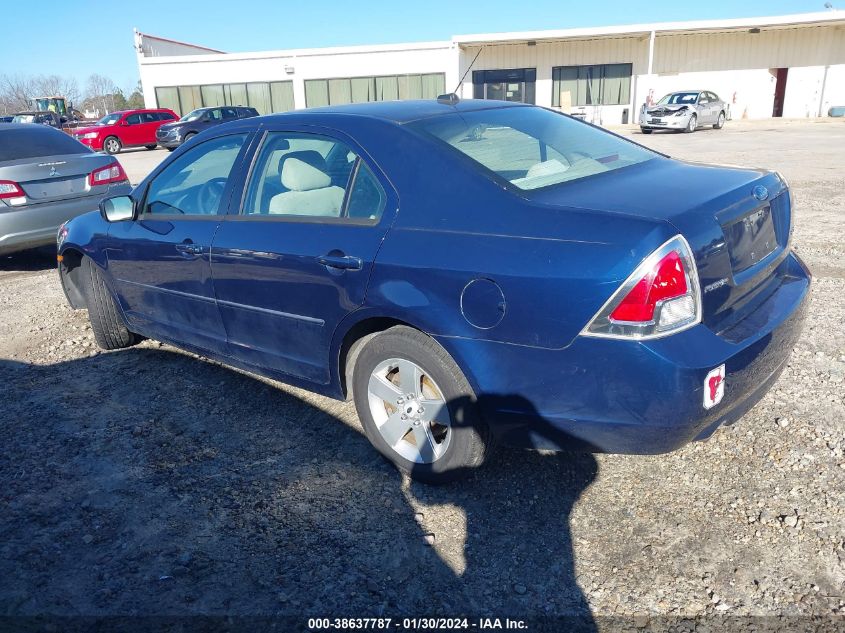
[
  {"x": 311, "y": 175},
  {"x": 133, "y": 119}
]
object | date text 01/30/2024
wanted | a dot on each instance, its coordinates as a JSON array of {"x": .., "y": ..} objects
[{"x": 416, "y": 624}]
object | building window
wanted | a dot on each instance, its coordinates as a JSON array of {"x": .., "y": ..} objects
[
  {"x": 602, "y": 84},
  {"x": 515, "y": 84},
  {"x": 323, "y": 92},
  {"x": 266, "y": 97}
]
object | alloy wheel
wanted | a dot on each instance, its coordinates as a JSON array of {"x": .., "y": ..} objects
[{"x": 409, "y": 410}]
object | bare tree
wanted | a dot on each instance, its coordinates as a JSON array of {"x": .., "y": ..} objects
[
  {"x": 17, "y": 91},
  {"x": 100, "y": 92},
  {"x": 56, "y": 86}
]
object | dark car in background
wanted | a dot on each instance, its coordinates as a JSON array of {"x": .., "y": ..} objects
[
  {"x": 172, "y": 135},
  {"x": 127, "y": 128},
  {"x": 47, "y": 178},
  {"x": 6, "y": 119},
  {"x": 465, "y": 270}
]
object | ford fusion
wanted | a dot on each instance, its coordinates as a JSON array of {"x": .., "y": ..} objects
[{"x": 468, "y": 272}]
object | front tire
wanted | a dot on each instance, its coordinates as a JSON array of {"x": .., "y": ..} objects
[
  {"x": 646, "y": 130},
  {"x": 112, "y": 145},
  {"x": 150, "y": 146},
  {"x": 692, "y": 124},
  {"x": 720, "y": 123},
  {"x": 103, "y": 313},
  {"x": 417, "y": 408}
]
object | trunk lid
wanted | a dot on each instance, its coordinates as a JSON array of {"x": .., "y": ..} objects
[
  {"x": 54, "y": 178},
  {"x": 737, "y": 221}
]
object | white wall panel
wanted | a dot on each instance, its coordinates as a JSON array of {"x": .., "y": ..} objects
[{"x": 778, "y": 48}]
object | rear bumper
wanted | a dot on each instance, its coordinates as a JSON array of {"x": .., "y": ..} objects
[
  {"x": 37, "y": 224},
  {"x": 618, "y": 396}
]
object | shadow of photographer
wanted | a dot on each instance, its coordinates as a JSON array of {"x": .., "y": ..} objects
[{"x": 148, "y": 482}]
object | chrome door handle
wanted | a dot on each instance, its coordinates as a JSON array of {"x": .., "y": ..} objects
[{"x": 344, "y": 262}]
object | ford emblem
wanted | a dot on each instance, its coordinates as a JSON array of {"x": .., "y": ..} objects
[{"x": 760, "y": 192}]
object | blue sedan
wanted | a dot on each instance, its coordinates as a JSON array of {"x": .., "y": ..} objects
[{"x": 469, "y": 272}]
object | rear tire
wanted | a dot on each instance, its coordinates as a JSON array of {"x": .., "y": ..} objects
[
  {"x": 112, "y": 145},
  {"x": 646, "y": 130},
  {"x": 458, "y": 440},
  {"x": 150, "y": 146},
  {"x": 720, "y": 123},
  {"x": 103, "y": 313},
  {"x": 693, "y": 123}
]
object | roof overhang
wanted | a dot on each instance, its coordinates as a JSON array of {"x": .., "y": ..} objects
[{"x": 826, "y": 18}]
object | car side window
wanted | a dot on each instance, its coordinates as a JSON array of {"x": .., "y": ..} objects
[
  {"x": 133, "y": 119},
  {"x": 193, "y": 184},
  {"x": 309, "y": 175},
  {"x": 366, "y": 197},
  {"x": 214, "y": 115},
  {"x": 713, "y": 96},
  {"x": 149, "y": 117},
  {"x": 229, "y": 113}
]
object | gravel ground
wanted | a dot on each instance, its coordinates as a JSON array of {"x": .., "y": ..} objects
[{"x": 149, "y": 481}]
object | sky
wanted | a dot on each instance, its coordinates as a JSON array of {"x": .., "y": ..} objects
[{"x": 96, "y": 36}]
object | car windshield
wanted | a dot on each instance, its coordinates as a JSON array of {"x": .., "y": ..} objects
[
  {"x": 532, "y": 147},
  {"x": 23, "y": 118},
  {"x": 192, "y": 116},
  {"x": 678, "y": 98},
  {"x": 109, "y": 119}
]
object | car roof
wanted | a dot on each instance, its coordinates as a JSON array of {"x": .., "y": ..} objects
[
  {"x": 137, "y": 110},
  {"x": 401, "y": 111}
]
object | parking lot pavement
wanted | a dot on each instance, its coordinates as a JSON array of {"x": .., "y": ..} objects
[
  {"x": 137, "y": 163},
  {"x": 149, "y": 481}
]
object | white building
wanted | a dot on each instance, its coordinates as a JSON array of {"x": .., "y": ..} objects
[{"x": 791, "y": 66}]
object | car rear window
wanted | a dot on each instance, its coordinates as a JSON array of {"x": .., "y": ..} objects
[
  {"x": 531, "y": 147},
  {"x": 35, "y": 140}
]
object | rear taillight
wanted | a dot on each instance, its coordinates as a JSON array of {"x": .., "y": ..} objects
[
  {"x": 106, "y": 175},
  {"x": 10, "y": 189},
  {"x": 660, "y": 297}
]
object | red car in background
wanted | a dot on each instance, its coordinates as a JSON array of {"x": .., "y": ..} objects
[{"x": 127, "y": 128}]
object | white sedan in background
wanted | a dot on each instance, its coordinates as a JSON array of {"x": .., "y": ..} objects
[{"x": 685, "y": 110}]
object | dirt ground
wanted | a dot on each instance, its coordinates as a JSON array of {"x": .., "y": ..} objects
[{"x": 148, "y": 481}]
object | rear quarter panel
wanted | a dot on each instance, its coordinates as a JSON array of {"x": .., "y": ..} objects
[{"x": 555, "y": 266}]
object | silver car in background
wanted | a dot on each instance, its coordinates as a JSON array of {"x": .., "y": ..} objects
[
  {"x": 684, "y": 110},
  {"x": 47, "y": 178}
]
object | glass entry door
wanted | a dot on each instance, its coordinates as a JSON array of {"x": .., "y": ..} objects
[{"x": 515, "y": 84}]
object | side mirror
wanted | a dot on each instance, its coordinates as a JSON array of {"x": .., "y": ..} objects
[{"x": 118, "y": 209}]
